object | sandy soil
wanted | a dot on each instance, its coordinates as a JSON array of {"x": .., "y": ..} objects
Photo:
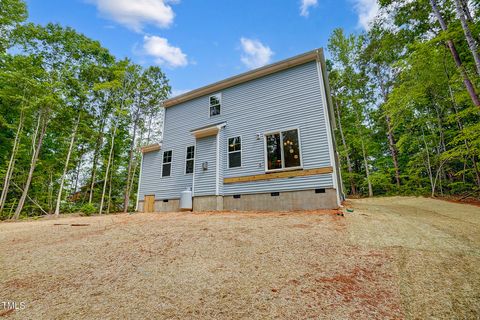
[{"x": 392, "y": 258}]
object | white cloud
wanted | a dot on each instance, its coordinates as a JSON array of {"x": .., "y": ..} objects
[
  {"x": 305, "y": 6},
  {"x": 255, "y": 54},
  {"x": 135, "y": 13},
  {"x": 366, "y": 11},
  {"x": 163, "y": 52}
]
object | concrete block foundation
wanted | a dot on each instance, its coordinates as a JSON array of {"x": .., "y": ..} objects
[
  {"x": 172, "y": 205},
  {"x": 208, "y": 203},
  {"x": 282, "y": 201},
  {"x": 276, "y": 201}
]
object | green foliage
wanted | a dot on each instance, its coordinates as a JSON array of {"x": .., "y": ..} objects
[
  {"x": 398, "y": 90},
  {"x": 12, "y": 13},
  {"x": 88, "y": 209},
  {"x": 53, "y": 79}
]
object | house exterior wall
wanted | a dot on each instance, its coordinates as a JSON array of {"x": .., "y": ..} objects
[
  {"x": 291, "y": 98},
  {"x": 205, "y": 180}
]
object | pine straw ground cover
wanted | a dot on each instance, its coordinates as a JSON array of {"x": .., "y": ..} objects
[{"x": 392, "y": 258}]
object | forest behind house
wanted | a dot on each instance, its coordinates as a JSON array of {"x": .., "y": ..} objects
[{"x": 73, "y": 117}]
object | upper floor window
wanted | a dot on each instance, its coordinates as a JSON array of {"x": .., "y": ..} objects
[
  {"x": 283, "y": 150},
  {"x": 235, "y": 152},
  {"x": 189, "y": 159},
  {"x": 215, "y": 104},
  {"x": 167, "y": 163}
]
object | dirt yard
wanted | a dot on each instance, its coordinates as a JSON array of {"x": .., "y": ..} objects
[{"x": 392, "y": 258}]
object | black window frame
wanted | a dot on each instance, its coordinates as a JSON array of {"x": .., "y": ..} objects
[
  {"x": 216, "y": 105},
  {"x": 237, "y": 151},
  {"x": 167, "y": 162},
  {"x": 190, "y": 156}
]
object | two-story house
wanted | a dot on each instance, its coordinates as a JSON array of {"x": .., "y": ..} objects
[{"x": 261, "y": 140}]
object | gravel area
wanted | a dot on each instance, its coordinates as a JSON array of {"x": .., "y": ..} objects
[{"x": 392, "y": 258}]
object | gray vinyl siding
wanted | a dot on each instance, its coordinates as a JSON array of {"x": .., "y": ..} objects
[
  {"x": 150, "y": 173},
  {"x": 205, "y": 179},
  {"x": 287, "y": 99},
  {"x": 223, "y": 160}
]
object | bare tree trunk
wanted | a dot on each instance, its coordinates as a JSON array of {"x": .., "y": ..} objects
[
  {"x": 50, "y": 192},
  {"x": 468, "y": 15},
  {"x": 429, "y": 165},
  {"x": 456, "y": 57},
  {"x": 108, "y": 168},
  {"x": 441, "y": 134},
  {"x": 110, "y": 185},
  {"x": 33, "y": 164},
  {"x": 65, "y": 168},
  {"x": 391, "y": 138},
  {"x": 393, "y": 149},
  {"x": 126, "y": 199},
  {"x": 466, "y": 10},
  {"x": 11, "y": 163},
  {"x": 468, "y": 35},
  {"x": 149, "y": 132},
  {"x": 79, "y": 166},
  {"x": 136, "y": 162},
  {"x": 134, "y": 171},
  {"x": 11, "y": 208},
  {"x": 367, "y": 171},
  {"x": 95, "y": 159},
  {"x": 460, "y": 127},
  {"x": 353, "y": 188},
  {"x": 33, "y": 201}
]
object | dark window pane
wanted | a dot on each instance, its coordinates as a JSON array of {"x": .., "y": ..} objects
[
  {"x": 166, "y": 169},
  {"x": 235, "y": 159},
  {"x": 234, "y": 144},
  {"x": 167, "y": 156},
  {"x": 274, "y": 151},
  {"x": 215, "y": 110},
  {"x": 189, "y": 166},
  {"x": 190, "y": 152},
  {"x": 214, "y": 100},
  {"x": 291, "y": 150}
]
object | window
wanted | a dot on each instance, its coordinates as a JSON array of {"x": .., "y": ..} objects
[
  {"x": 167, "y": 163},
  {"x": 215, "y": 102},
  {"x": 189, "y": 159},
  {"x": 283, "y": 150},
  {"x": 234, "y": 152}
]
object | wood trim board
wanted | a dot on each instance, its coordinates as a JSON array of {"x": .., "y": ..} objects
[{"x": 279, "y": 175}]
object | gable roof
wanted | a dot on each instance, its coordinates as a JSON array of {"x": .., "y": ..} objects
[{"x": 314, "y": 55}]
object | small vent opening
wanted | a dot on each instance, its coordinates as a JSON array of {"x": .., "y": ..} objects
[
  {"x": 166, "y": 200},
  {"x": 275, "y": 194},
  {"x": 320, "y": 190},
  {"x": 236, "y": 196}
]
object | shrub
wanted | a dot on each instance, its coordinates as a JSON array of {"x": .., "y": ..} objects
[{"x": 88, "y": 209}]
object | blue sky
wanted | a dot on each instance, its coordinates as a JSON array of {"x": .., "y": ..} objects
[{"x": 197, "y": 42}]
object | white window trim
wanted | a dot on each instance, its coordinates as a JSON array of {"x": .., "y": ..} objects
[
  {"x": 219, "y": 96},
  {"x": 265, "y": 134},
  {"x": 241, "y": 153},
  {"x": 171, "y": 163},
  {"x": 186, "y": 154}
]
